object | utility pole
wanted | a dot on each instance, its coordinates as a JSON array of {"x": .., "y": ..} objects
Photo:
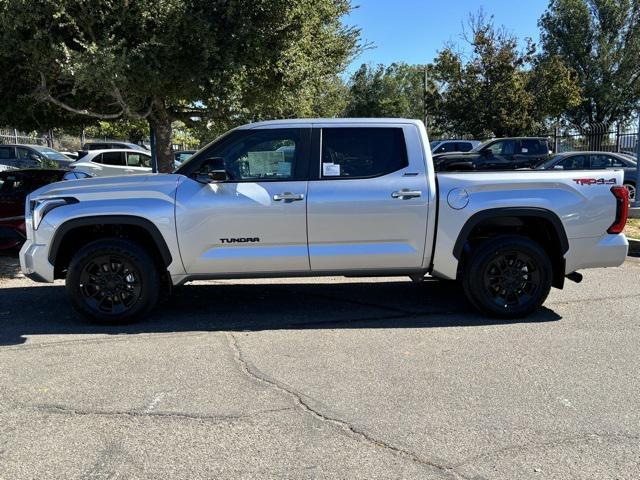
[
  {"x": 424, "y": 97},
  {"x": 637, "y": 202},
  {"x": 154, "y": 156}
]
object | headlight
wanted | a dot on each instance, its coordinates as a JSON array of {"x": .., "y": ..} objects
[{"x": 39, "y": 208}]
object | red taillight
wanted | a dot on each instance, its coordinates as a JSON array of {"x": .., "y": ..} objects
[{"x": 622, "y": 209}]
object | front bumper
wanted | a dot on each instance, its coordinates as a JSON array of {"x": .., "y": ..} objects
[{"x": 34, "y": 262}]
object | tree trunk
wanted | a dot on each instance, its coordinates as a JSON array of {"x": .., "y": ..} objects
[{"x": 162, "y": 127}]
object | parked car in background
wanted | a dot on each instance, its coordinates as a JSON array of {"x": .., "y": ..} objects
[
  {"x": 71, "y": 155},
  {"x": 15, "y": 185},
  {"x": 596, "y": 161},
  {"x": 113, "y": 162},
  {"x": 111, "y": 145},
  {"x": 498, "y": 154},
  {"x": 32, "y": 156},
  {"x": 449, "y": 146}
]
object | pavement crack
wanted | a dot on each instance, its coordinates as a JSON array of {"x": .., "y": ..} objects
[
  {"x": 62, "y": 410},
  {"x": 564, "y": 440},
  {"x": 302, "y": 401}
]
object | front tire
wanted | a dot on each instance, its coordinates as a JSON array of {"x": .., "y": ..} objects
[
  {"x": 112, "y": 281},
  {"x": 508, "y": 276}
]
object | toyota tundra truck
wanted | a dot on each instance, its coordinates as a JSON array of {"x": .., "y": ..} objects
[{"x": 298, "y": 198}]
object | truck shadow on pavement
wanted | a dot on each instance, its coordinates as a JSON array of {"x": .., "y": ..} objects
[{"x": 44, "y": 310}]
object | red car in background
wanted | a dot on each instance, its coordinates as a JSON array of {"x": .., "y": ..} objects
[{"x": 15, "y": 185}]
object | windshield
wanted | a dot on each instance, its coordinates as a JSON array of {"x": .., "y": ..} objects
[
  {"x": 50, "y": 153},
  {"x": 434, "y": 144},
  {"x": 183, "y": 156},
  {"x": 480, "y": 146},
  {"x": 549, "y": 163},
  {"x": 184, "y": 166}
]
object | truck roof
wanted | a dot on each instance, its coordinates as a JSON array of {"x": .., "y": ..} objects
[{"x": 336, "y": 121}]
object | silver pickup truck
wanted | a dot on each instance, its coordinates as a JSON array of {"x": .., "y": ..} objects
[{"x": 296, "y": 198}]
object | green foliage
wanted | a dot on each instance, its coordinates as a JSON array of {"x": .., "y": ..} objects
[
  {"x": 499, "y": 91},
  {"x": 134, "y": 131},
  {"x": 599, "y": 40},
  {"x": 393, "y": 91},
  {"x": 220, "y": 61}
]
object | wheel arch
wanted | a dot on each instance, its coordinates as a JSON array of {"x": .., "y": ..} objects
[
  {"x": 539, "y": 224},
  {"x": 150, "y": 234}
]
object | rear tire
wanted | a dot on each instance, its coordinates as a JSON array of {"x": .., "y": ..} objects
[
  {"x": 507, "y": 276},
  {"x": 112, "y": 281},
  {"x": 631, "y": 188}
]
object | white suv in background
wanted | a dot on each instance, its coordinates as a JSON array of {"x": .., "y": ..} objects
[
  {"x": 114, "y": 162},
  {"x": 447, "y": 146}
]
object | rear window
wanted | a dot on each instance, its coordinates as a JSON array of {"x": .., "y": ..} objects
[
  {"x": 464, "y": 146},
  {"x": 362, "y": 152}
]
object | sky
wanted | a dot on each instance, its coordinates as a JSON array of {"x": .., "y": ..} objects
[{"x": 414, "y": 30}]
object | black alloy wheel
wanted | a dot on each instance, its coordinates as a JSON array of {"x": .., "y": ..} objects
[
  {"x": 110, "y": 284},
  {"x": 113, "y": 281},
  {"x": 507, "y": 276}
]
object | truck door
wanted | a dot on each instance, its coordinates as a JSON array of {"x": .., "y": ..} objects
[
  {"x": 256, "y": 220},
  {"x": 367, "y": 198}
]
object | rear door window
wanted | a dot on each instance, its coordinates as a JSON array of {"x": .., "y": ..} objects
[
  {"x": 606, "y": 161},
  {"x": 138, "y": 160},
  {"x": 362, "y": 152},
  {"x": 531, "y": 147},
  {"x": 575, "y": 162},
  {"x": 113, "y": 158},
  {"x": 464, "y": 147}
]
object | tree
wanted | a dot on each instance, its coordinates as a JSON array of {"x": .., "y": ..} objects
[
  {"x": 134, "y": 131},
  {"x": 207, "y": 61},
  {"x": 392, "y": 91},
  {"x": 499, "y": 91},
  {"x": 600, "y": 41}
]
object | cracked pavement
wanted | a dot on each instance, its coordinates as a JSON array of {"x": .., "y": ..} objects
[{"x": 323, "y": 378}]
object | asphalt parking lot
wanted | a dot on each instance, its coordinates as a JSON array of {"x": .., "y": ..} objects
[{"x": 323, "y": 378}]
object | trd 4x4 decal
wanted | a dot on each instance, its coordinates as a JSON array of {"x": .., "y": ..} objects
[{"x": 595, "y": 181}]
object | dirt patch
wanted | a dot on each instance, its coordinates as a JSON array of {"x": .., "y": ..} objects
[{"x": 632, "y": 230}]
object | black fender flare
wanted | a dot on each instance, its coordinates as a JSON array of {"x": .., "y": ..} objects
[
  {"x": 531, "y": 212},
  {"x": 147, "y": 225}
]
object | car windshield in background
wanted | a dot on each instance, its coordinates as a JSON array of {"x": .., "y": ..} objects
[
  {"x": 184, "y": 156},
  {"x": 433, "y": 144},
  {"x": 50, "y": 153},
  {"x": 479, "y": 147},
  {"x": 548, "y": 163}
]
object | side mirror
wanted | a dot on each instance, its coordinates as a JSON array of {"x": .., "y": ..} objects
[{"x": 212, "y": 170}]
